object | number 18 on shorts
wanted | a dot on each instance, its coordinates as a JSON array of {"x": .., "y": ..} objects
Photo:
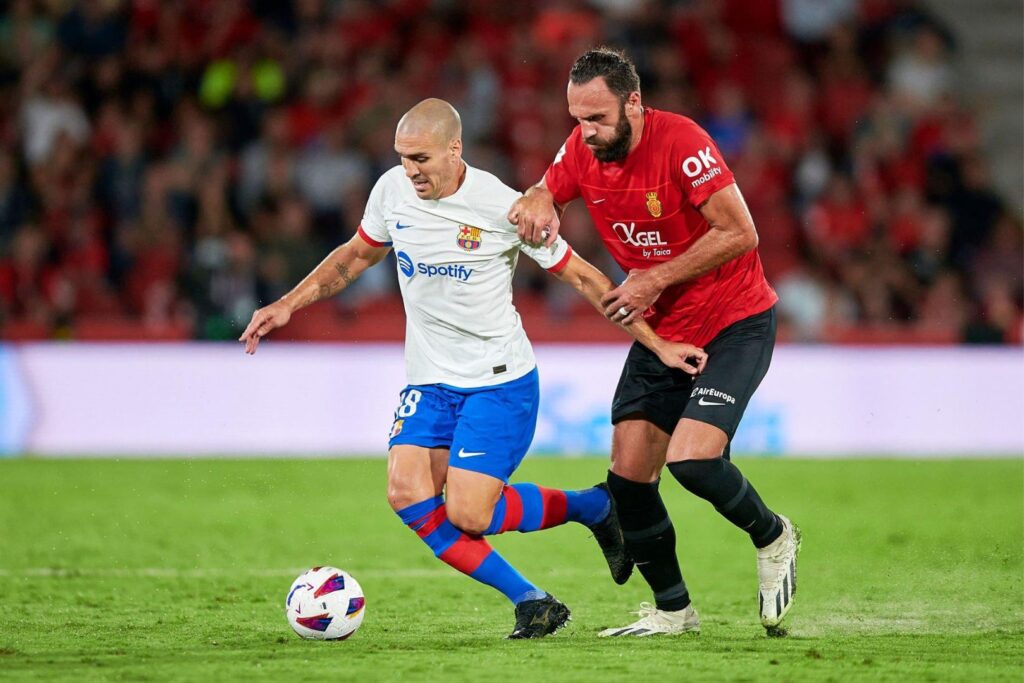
[{"x": 486, "y": 429}]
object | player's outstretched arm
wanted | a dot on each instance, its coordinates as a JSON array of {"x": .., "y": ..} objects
[
  {"x": 731, "y": 233},
  {"x": 340, "y": 269},
  {"x": 536, "y": 216},
  {"x": 593, "y": 284}
]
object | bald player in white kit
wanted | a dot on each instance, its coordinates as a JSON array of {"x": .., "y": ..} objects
[{"x": 468, "y": 414}]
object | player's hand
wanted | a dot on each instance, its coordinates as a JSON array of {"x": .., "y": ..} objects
[
  {"x": 263, "y": 321},
  {"x": 686, "y": 357},
  {"x": 628, "y": 301},
  {"x": 536, "y": 217}
]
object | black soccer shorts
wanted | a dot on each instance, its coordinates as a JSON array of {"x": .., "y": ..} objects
[{"x": 738, "y": 359}]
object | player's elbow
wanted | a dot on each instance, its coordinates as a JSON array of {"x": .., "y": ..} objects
[
  {"x": 581, "y": 276},
  {"x": 570, "y": 275},
  {"x": 746, "y": 237},
  {"x": 752, "y": 239},
  {"x": 575, "y": 281}
]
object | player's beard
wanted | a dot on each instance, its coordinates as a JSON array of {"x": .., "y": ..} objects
[{"x": 617, "y": 148}]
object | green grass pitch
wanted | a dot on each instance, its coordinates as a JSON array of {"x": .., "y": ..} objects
[{"x": 175, "y": 569}]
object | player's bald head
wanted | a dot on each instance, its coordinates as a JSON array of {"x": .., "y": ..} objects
[
  {"x": 429, "y": 141},
  {"x": 432, "y": 119}
]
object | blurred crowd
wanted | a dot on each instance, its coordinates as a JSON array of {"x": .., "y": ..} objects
[{"x": 167, "y": 166}]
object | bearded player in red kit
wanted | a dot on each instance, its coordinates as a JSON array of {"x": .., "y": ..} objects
[{"x": 670, "y": 213}]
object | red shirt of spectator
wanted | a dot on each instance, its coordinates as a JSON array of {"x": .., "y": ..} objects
[
  {"x": 839, "y": 222},
  {"x": 845, "y": 96},
  {"x": 645, "y": 208}
]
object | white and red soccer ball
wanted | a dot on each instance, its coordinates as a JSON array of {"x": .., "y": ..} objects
[{"x": 325, "y": 603}]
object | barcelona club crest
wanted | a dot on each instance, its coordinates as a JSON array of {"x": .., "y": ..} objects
[
  {"x": 469, "y": 237},
  {"x": 653, "y": 205}
]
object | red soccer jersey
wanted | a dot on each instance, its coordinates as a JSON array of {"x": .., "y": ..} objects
[{"x": 645, "y": 208}]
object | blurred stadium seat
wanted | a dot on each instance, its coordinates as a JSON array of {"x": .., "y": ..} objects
[{"x": 166, "y": 167}]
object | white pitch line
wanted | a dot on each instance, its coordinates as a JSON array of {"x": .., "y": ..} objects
[
  {"x": 178, "y": 573},
  {"x": 220, "y": 572}
]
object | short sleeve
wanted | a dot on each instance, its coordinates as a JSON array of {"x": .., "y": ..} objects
[
  {"x": 553, "y": 258},
  {"x": 492, "y": 199},
  {"x": 373, "y": 228},
  {"x": 702, "y": 170},
  {"x": 562, "y": 177}
]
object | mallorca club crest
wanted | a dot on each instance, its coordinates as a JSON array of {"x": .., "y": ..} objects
[
  {"x": 653, "y": 205},
  {"x": 469, "y": 237}
]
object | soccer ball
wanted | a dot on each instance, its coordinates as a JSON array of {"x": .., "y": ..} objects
[{"x": 325, "y": 603}]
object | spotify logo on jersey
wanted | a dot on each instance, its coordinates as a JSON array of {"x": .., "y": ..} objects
[
  {"x": 405, "y": 264},
  {"x": 452, "y": 270}
]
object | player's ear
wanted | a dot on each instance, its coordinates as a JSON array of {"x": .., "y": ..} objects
[{"x": 455, "y": 148}]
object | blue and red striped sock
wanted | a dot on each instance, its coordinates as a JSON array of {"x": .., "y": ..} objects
[
  {"x": 528, "y": 507},
  {"x": 471, "y": 555}
]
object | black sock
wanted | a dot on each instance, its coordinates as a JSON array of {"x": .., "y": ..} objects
[
  {"x": 650, "y": 539},
  {"x": 720, "y": 483}
]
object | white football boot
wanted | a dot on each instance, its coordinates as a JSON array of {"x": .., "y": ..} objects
[
  {"x": 654, "y": 621},
  {"x": 776, "y": 573}
]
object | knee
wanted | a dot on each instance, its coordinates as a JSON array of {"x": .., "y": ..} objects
[
  {"x": 693, "y": 452},
  {"x": 638, "y": 451},
  {"x": 639, "y": 469},
  {"x": 631, "y": 495},
  {"x": 402, "y": 494},
  {"x": 692, "y": 472},
  {"x": 467, "y": 519},
  {"x": 695, "y": 441}
]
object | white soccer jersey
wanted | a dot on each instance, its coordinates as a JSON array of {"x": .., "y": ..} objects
[{"x": 456, "y": 257}]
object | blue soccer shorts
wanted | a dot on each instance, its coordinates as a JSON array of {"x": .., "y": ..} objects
[{"x": 486, "y": 429}]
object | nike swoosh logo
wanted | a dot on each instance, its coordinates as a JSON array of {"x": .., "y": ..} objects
[
  {"x": 464, "y": 454},
  {"x": 598, "y": 201},
  {"x": 399, "y": 226},
  {"x": 702, "y": 402}
]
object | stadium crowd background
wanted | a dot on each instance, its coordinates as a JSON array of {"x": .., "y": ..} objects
[{"x": 166, "y": 166}]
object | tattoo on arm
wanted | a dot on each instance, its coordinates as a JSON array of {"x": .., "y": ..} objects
[
  {"x": 326, "y": 291},
  {"x": 343, "y": 273}
]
